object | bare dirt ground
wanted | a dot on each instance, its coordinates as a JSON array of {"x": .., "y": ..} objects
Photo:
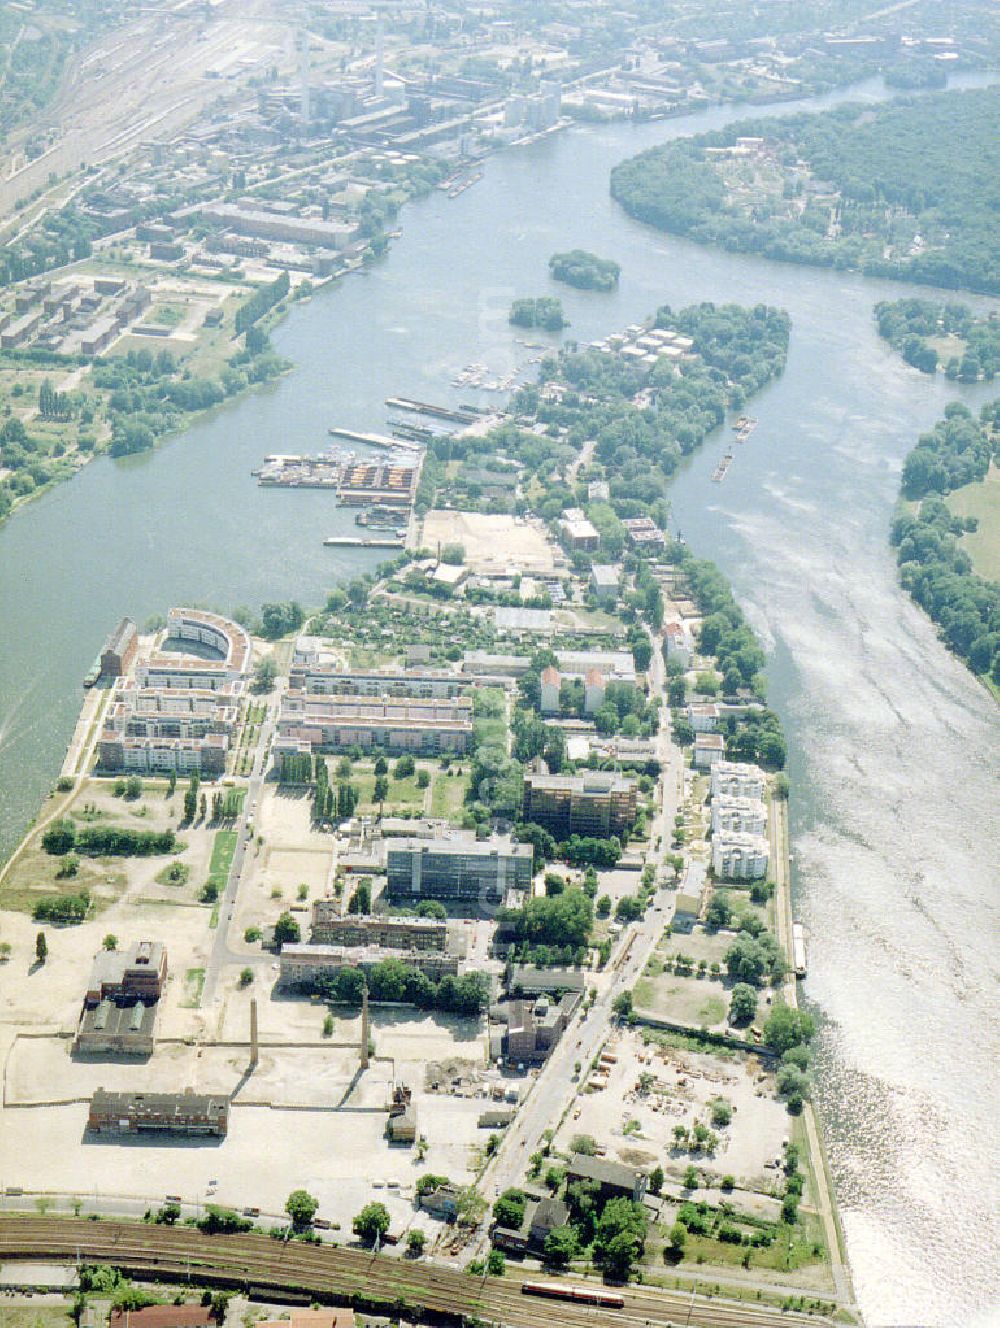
[{"x": 492, "y": 543}]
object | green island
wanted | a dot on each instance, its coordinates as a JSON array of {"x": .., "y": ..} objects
[
  {"x": 931, "y": 335},
  {"x": 585, "y": 270},
  {"x": 543, "y": 311},
  {"x": 946, "y": 534},
  {"x": 878, "y": 189}
]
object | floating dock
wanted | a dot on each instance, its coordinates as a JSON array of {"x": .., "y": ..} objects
[
  {"x": 799, "y": 949},
  {"x": 722, "y": 469},
  {"x": 374, "y": 440},
  {"x": 357, "y": 542},
  {"x": 435, "y": 412}
]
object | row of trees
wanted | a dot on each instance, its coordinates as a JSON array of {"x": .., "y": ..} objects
[
  {"x": 262, "y": 300},
  {"x": 392, "y": 980},
  {"x": 98, "y": 841}
]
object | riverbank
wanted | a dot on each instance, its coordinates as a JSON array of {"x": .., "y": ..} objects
[{"x": 881, "y": 721}]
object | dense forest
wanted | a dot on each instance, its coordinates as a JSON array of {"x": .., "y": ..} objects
[
  {"x": 901, "y": 200},
  {"x": 911, "y": 326},
  {"x": 934, "y": 567}
]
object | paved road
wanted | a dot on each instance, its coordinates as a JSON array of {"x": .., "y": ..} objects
[
  {"x": 555, "y": 1088},
  {"x": 221, "y": 953}
]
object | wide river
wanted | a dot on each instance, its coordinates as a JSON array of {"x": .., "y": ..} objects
[{"x": 893, "y": 744}]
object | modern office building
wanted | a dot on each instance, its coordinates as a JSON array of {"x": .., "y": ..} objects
[
  {"x": 457, "y": 868},
  {"x": 593, "y": 803}
]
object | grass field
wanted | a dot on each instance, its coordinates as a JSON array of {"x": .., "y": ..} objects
[
  {"x": 448, "y": 795},
  {"x": 403, "y": 793},
  {"x": 983, "y": 502},
  {"x": 194, "y": 983},
  {"x": 33, "y": 877},
  {"x": 223, "y": 848}
]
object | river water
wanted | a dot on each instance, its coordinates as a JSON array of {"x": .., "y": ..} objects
[{"x": 893, "y": 744}]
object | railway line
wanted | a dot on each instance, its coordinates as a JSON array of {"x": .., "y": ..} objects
[{"x": 259, "y": 1264}]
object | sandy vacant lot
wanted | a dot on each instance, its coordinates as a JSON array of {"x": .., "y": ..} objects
[{"x": 492, "y": 543}]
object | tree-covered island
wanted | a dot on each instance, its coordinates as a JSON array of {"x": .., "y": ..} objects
[
  {"x": 930, "y": 335},
  {"x": 585, "y": 270},
  {"x": 545, "y": 312},
  {"x": 905, "y": 190}
]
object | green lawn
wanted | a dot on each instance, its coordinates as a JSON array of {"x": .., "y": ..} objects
[
  {"x": 982, "y": 501},
  {"x": 403, "y": 793},
  {"x": 448, "y": 795},
  {"x": 223, "y": 848},
  {"x": 194, "y": 983}
]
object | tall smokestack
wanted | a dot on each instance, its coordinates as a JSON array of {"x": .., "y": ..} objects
[
  {"x": 379, "y": 56},
  {"x": 364, "y": 1027},
  {"x": 254, "y": 1049},
  {"x": 305, "y": 110}
]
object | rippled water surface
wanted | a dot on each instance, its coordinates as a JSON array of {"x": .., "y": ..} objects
[{"x": 893, "y": 745}]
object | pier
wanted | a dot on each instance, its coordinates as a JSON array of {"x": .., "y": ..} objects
[
  {"x": 362, "y": 542},
  {"x": 374, "y": 440},
  {"x": 435, "y": 412}
]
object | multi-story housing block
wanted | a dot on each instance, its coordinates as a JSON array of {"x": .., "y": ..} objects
[
  {"x": 740, "y": 857},
  {"x": 301, "y": 965},
  {"x": 316, "y": 723},
  {"x": 735, "y": 779},
  {"x": 746, "y": 816}
]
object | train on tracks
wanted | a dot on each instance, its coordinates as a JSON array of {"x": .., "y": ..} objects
[{"x": 579, "y": 1295}]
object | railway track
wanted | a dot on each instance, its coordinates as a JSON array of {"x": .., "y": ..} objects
[{"x": 259, "y": 1264}]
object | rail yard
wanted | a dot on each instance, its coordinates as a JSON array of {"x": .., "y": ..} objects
[{"x": 259, "y": 1266}]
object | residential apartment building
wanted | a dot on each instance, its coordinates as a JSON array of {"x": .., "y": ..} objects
[
  {"x": 310, "y": 723},
  {"x": 458, "y": 869},
  {"x": 704, "y": 717},
  {"x": 157, "y": 729},
  {"x": 317, "y": 673},
  {"x": 168, "y": 666},
  {"x": 740, "y": 857},
  {"x": 736, "y": 779},
  {"x": 593, "y": 803},
  {"x": 708, "y": 749},
  {"x": 746, "y": 816},
  {"x": 186, "y": 1113}
]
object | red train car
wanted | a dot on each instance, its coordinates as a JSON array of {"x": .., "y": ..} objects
[{"x": 579, "y": 1295}]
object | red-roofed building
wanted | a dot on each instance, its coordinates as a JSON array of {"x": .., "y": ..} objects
[
  {"x": 551, "y": 681},
  {"x": 164, "y": 1316}
]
